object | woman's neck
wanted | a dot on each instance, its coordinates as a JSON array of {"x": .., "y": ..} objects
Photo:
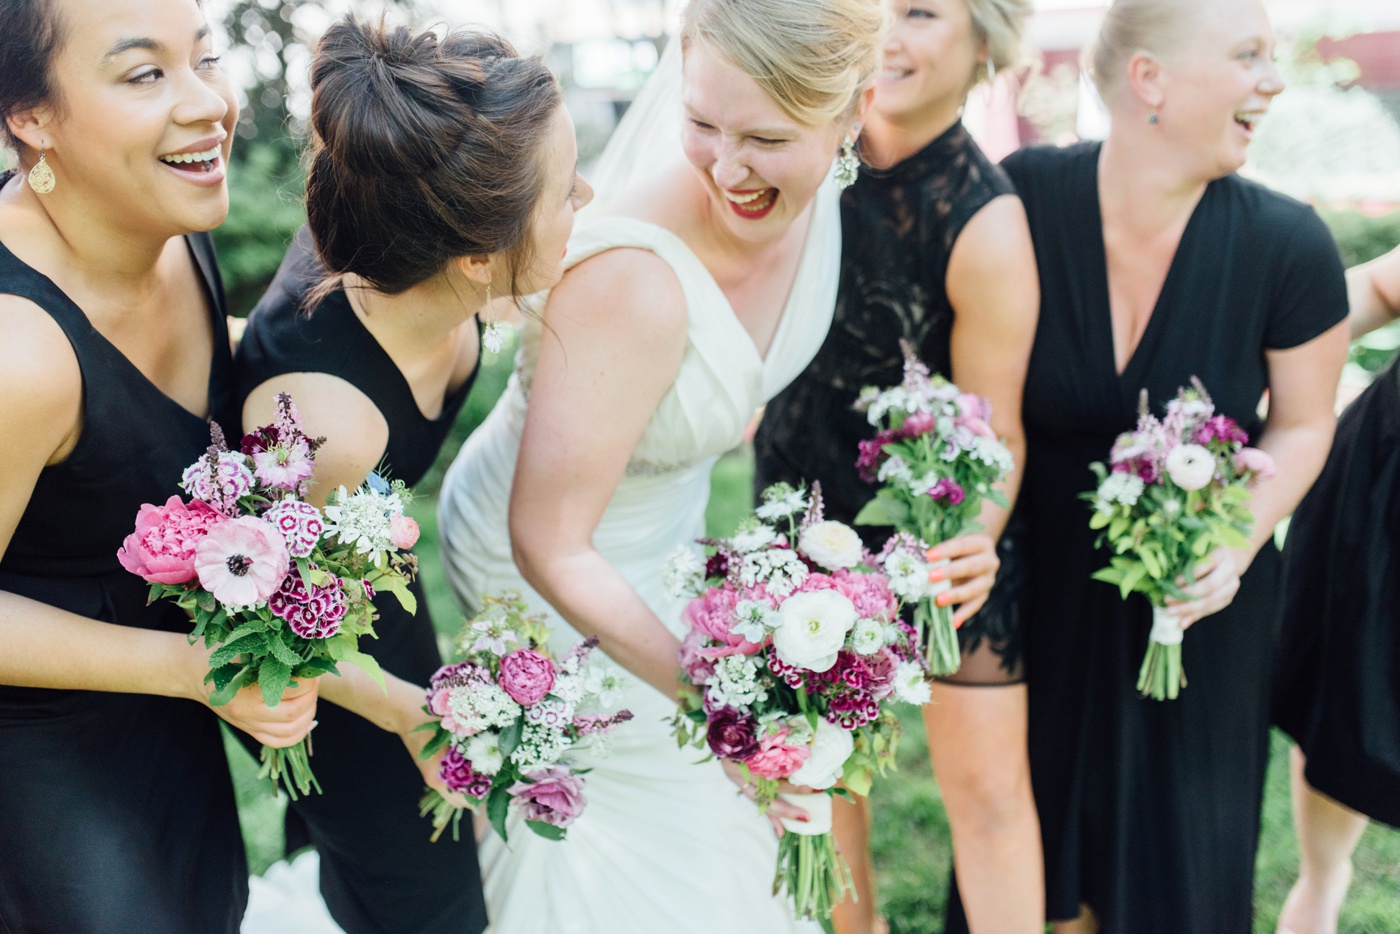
[
  {"x": 421, "y": 315},
  {"x": 1143, "y": 187},
  {"x": 888, "y": 141}
]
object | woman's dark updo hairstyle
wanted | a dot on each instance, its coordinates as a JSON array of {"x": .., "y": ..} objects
[
  {"x": 29, "y": 40},
  {"x": 426, "y": 148}
]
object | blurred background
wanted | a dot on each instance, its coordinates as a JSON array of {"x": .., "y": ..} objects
[{"x": 1333, "y": 139}]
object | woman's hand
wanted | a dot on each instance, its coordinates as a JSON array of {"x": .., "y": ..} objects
[
  {"x": 284, "y": 725},
  {"x": 1217, "y": 582},
  {"x": 415, "y": 741},
  {"x": 971, "y": 570},
  {"x": 779, "y": 809}
]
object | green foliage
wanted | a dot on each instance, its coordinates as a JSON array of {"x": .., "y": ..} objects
[{"x": 265, "y": 209}]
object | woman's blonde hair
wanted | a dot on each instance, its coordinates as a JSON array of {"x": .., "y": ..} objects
[
  {"x": 812, "y": 57},
  {"x": 1157, "y": 27},
  {"x": 1001, "y": 25}
]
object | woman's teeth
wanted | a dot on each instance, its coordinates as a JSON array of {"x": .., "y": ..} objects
[
  {"x": 184, "y": 157},
  {"x": 746, "y": 197}
]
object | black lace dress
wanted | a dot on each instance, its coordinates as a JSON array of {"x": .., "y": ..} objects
[
  {"x": 380, "y": 873},
  {"x": 898, "y": 228},
  {"x": 116, "y": 810}
]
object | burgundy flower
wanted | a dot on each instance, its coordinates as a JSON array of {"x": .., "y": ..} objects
[
  {"x": 457, "y": 773},
  {"x": 732, "y": 735},
  {"x": 872, "y": 450}
]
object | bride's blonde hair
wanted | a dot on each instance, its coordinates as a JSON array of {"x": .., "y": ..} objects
[{"x": 812, "y": 57}]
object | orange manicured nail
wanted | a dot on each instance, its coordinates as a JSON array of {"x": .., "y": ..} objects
[
  {"x": 943, "y": 599},
  {"x": 933, "y": 554},
  {"x": 935, "y": 575}
]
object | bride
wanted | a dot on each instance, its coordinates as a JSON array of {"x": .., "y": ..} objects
[{"x": 707, "y": 284}]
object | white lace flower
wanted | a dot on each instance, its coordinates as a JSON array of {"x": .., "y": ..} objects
[
  {"x": 604, "y": 683},
  {"x": 362, "y": 519},
  {"x": 481, "y": 706},
  {"x": 1118, "y": 488},
  {"x": 540, "y": 747},
  {"x": 910, "y": 685},
  {"x": 737, "y": 682},
  {"x": 685, "y": 572}
]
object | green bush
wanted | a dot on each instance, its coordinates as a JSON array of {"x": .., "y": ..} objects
[{"x": 265, "y": 209}]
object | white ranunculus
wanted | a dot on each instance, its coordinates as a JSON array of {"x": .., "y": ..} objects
[
  {"x": 484, "y": 752},
  {"x": 833, "y": 545},
  {"x": 1190, "y": 466},
  {"x": 910, "y": 685},
  {"x": 869, "y": 637},
  {"x": 813, "y": 628},
  {"x": 831, "y": 747}
]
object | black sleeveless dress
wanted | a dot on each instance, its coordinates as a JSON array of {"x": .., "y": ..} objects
[
  {"x": 379, "y": 871},
  {"x": 898, "y": 229},
  {"x": 116, "y": 810},
  {"x": 1338, "y": 690},
  {"x": 1149, "y": 810}
]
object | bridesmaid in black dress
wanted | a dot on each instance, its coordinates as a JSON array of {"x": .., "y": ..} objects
[
  {"x": 116, "y": 809},
  {"x": 935, "y": 251},
  {"x": 443, "y": 168},
  {"x": 1158, "y": 264},
  {"x": 1336, "y": 691}
]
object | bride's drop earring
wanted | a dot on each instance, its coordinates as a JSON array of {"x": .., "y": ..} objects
[
  {"x": 847, "y": 163},
  {"x": 41, "y": 177},
  {"x": 493, "y": 335}
]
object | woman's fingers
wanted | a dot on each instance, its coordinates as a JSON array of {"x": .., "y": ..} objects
[
  {"x": 1214, "y": 589},
  {"x": 970, "y": 606}
]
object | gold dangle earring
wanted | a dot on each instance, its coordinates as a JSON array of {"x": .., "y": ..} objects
[
  {"x": 493, "y": 335},
  {"x": 847, "y": 162},
  {"x": 41, "y": 177}
]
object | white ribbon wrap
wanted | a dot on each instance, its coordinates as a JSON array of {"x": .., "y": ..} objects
[
  {"x": 1166, "y": 628},
  {"x": 818, "y": 808}
]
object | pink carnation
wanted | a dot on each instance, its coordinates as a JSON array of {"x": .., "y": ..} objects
[
  {"x": 457, "y": 774},
  {"x": 312, "y": 613},
  {"x": 527, "y": 676},
  {"x": 242, "y": 561},
  {"x": 162, "y": 549},
  {"x": 776, "y": 758},
  {"x": 553, "y": 795},
  {"x": 300, "y": 523}
]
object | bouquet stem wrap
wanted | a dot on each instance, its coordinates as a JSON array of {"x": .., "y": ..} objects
[
  {"x": 815, "y": 875},
  {"x": 1161, "y": 676}
]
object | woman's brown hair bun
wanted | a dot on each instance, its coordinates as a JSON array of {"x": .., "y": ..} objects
[{"x": 426, "y": 148}]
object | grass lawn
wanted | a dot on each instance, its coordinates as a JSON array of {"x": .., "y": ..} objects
[{"x": 910, "y": 839}]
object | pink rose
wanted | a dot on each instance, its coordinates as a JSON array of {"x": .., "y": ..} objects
[
  {"x": 776, "y": 757},
  {"x": 403, "y": 532},
  {"x": 242, "y": 561},
  {"x": 162, "y": 549},
  {"x": 527, "y": 676},
  {"x": 1258, "y": 462},
  {"x": 553, "y": 795},
  {"x": 713, "y": 614}
]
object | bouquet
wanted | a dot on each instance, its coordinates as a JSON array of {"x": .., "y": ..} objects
[
  {"x": 512, "y": 718},
  {"x": 938, "y": 459},
  {"x": 795, "y": 645},
  {"x": 283, "y": 589},
  {"x": 1174, "y": 490}
]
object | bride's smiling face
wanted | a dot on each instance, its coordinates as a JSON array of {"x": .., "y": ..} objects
[{"x": 760, "y": 167}]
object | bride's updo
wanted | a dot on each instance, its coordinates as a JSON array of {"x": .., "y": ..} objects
[
  {"x": 426, "y": 148},
  {"x": 812, "y": 57}
]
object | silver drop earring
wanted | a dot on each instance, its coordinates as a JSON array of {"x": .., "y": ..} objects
[
  {"x": 493, "y": 335},
  {"x": 1152, "y": 117},
  {"x": 847, "y": 164}
]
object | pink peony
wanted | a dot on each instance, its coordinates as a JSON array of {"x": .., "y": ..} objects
[
  {"x": 776, "y": 758},
  {"x": 553, "y": 795},
  {"x": 242, "y": 561},
  {"x": 1258, "y": 462},
  {"x": 713, "y": 614},
  {"x": 403, "y": 532},
  {"x": 817, "y": 581},
  {"x": 527, "y": 676},
  {"x": 161, "y": 550},
  {"x": 870, "y": 594}
]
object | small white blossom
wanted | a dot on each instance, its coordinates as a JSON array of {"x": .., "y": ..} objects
[
  {"x": 992, "y": 453},
  {"x": 568, "y": 687},
  {"x": 780, "y": 507},
  {"x": 895, "y": 468},
  {"x": 603, "y": 682},
  {"x": 685, "y": 572},
  {"x": 780, "y": 570},
  {"x": 361, "y": 519},
  {"x": 909, "y": 684},
  {"x": 737, "y": 682},
  {"x": 484, "y": 751},
  {"x": 540, "y": 747},
  {"x": 1118, "y": 488},
  {"x": 868, "y": 637},
  {"x": 754, "y": 620},
  {"x": 481, "y": 705},
  {"x": 908, "y": 574},
  {"x": 753, "y": 539}
]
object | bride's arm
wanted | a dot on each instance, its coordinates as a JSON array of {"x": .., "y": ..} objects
[{"x": 615, "y": 333}]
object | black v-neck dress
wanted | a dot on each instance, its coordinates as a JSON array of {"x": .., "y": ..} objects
[
  {"x": 1149, "y": 809},
  {"x": 379, "y": 870},
  {"x": 116, "y": 810}
]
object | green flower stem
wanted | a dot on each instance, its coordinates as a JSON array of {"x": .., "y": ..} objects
[
  {"x": 290, "y": 768},
  {"x": 940, "y": 637},
  {"x": 444, "y": 813},
  {"x": 1161, "y": 676},
  {"x": 813, "y": 873}
]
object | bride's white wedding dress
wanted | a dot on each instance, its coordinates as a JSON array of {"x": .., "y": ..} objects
[{"x": 666, "y": 845}]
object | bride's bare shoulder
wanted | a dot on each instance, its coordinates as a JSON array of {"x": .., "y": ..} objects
[{"x": 671, "y": 198}]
